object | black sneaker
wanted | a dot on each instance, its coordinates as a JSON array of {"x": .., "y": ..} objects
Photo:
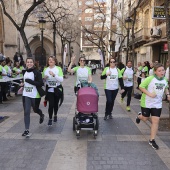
[
  {"x": 50, "y": 122},
  {"x": 153, "y": 144},
  {"x": 26, "y": 133},
  {"x": 41, "y": 119},
  {"x": 105, "y": 118},
  {"x": 137, "y": 118},
  {"x": 55, "y": 119},
  {"x": 110, "y": 117}
]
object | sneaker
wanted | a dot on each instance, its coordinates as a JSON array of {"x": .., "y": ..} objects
[
  {"x": 110, "y": 117},
  {"x": 153, "y": 144},
  {"x": 105, "y": 118},
  {"x": 128, "y": 108},
  {"x": 26, "y": 133},
  {"x": 137, "y": 118},
  {"x": 121, "y": 100},
  {"x": 50, "y": 122},
  {"x": 41, "y": 119},
  {"x": 55, "y": 119}
]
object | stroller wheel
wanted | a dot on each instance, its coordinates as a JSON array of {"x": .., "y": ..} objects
[
  {"x": 78, "y": 133},
  {"x": 96, "y": 126},
  {"x": 74, "y": 124},
  {"x": 95, "y": 133}
]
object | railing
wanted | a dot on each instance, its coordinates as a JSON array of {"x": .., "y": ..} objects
[{"x": 141, "y": 35}]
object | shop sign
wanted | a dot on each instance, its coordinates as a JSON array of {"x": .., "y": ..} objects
[{"x": 158, "y": 12}]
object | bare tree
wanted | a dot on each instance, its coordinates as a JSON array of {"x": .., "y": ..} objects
[{"x": 20, "y": 26}]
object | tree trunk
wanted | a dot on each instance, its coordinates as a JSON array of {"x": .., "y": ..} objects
[
  {"x": 54, "y": 38},
  {"x": 167, "y": 3},
  {"x": 25, "y": 41}
]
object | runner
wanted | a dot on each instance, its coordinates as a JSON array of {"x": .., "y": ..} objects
[
  {"x": 53, "y": 76},
  {"x": 83, "y": 72},
  {"x": 128, "y": 83},
  {"x": 151, "y": 102},
  {"x": 113, "y": 78},
  {"x": 138, "y": 73},
  {"x": 31, "y": 94}
]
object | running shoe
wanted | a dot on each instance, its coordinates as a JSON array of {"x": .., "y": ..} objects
[
  {"x": 121, "y": 100},
  {"x": 128, "y": 108},
  {"x": 41, "y": 119},
  {"x": 137, "y": 118},
  {"x": 106, "y": 117},
  {"x": 55, "y": 119},
  {"x": 110, "y": 117},
  {"x": 26, "y": 133},
  {"x": 153, "y": 144},
  {"x": 50, "y": 122}
]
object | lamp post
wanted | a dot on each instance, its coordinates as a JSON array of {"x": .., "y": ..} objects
[
  {"x": 42, "y": 24},
  {"x": 111, "y": 49},
  {"x": 128, "y": 22}
]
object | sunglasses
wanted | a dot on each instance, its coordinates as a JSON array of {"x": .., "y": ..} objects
[
  {"x": 82, "y": 60},
  {"x": 112, "y": 61}
]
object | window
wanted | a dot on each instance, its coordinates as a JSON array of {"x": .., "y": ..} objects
[
  {"x": 86, "y": 42},
  {"x": 88, "y": 18},
  {"x": 99, "y": 16},
  {"x": 89, "y": 10},
  {"x": 89, "y": 2}
]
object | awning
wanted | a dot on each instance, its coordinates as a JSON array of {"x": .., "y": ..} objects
[{"x": 156, "y": 42}]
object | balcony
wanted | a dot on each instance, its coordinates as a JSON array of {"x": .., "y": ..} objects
[{"x": 141, "y": 36}]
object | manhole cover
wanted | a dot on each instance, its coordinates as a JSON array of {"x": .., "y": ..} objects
[{"x": 2, "y": 118}]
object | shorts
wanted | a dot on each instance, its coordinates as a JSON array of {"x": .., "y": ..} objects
[{"x": 146, "y": 112}]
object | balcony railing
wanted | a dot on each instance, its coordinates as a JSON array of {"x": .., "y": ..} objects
[{"x": 141, "y": 35}]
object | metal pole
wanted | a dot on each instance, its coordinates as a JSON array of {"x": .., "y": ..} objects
[
  {"x": 127, "y": 51},
  {"x": 42, "y": 48}
]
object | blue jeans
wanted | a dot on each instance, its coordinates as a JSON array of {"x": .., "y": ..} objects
[{"x": 110, "y": 99}]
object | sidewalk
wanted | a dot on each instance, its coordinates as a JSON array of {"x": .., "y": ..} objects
[{"x": 121, "y": 144}]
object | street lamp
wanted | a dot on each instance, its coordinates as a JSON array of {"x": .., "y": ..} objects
[
  {"x": 42, "y": 24},
  {"x": 128, "y": 23}
]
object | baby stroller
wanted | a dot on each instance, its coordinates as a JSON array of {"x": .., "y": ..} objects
[{"x": 86, "y": 117}]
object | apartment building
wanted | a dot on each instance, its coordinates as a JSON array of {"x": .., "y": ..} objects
[
  {"x": 93, "y": 21},
  {"x": 149, "y": 31}
]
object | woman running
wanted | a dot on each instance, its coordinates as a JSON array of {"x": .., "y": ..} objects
[
  {"x": 53, "y": 76},
  {"x": 31, "y": 93},
  {"x": 113, "y": 78}
]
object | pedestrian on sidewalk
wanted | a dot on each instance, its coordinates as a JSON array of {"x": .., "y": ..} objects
[
  {"x": 83, "y": 72},
  {"x": 53, "y": 76},
  {"x": 32, "y": 93},
  {"x": 153, "y": 89},
  {"x": 113, "y": 78},
  {"x": 127, "y": 74}
]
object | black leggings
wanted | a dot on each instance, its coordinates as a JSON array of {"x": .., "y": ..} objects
[
  {"x": 139, "y": 81},
  {"x": 53, "y": 104},
  {"x": 128, "y": 91}
]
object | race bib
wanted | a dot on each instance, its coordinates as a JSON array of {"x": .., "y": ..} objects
[
  {"x": 52, "y": 83},
  {"x": 113, "y": 77},
  {"x": 130, "y": 79},
  {"x": 29, "y": 89}
]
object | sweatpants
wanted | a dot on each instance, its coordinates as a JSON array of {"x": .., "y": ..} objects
[
  {"x": 28, "y": 103},
  {"x": 53, "y": 104},
  {"x": 128, "y": 91},
  {"x": 110, "y": 99}
]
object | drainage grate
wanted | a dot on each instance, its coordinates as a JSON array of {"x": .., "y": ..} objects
[{"x": 2, "y": 118}]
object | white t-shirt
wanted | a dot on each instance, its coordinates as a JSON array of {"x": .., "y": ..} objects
[
  {"x": 4, "y": 72},
  {"x": 82, "y": 73},
  {"x": 167, "y": 73},
  {"x": 29, "y": 89},
  {"x": 51, "y": 81},
  {"x": 153, "y": 85},
  {"x": 129, "y": 74}
]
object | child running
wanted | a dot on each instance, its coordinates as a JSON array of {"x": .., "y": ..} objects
[{"x": 151, "y": 102}]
